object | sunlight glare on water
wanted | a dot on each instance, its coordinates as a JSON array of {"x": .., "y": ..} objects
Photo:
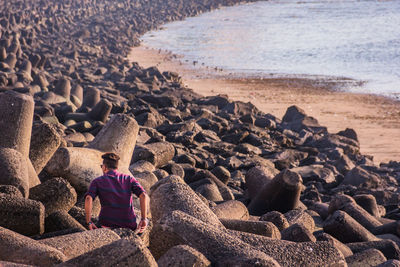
[{"x": 354, "y": 39}]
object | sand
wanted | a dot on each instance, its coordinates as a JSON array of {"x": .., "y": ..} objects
[{"x": 376, "y": 119}]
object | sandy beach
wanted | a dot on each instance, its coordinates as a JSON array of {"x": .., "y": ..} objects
[{"x": 376, "y": 119}]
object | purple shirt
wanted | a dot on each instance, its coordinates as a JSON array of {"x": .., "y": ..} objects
[{"x": 115, "y": 193}]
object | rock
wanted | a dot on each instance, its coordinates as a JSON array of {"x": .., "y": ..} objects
[
  {"x": 277, "y": 218},
  {"x": 182, "y": 256},
  {"x": 56, "y": 195},
  {"x": 20, "y": 249},
  {"x": 16, "y": 121},
  {"x": 45, "y": 141},
  {"x": 61, "y": 220},
  {"x": 297, "y": 120},
  {"x": 74, "y": 245},
  {"x": 213, "y": 242},
  {"x": 21, "y": 215},
  {"x": 255, "y": 227},
  {"x": 346, "y": 229},
  {"x": 231, "y": 210},
  {"x": 159, "y": 154},
  {"x": 122, "y": 252},
  {"x": 282, "y": 194}
]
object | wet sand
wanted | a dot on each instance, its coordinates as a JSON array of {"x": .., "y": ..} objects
[{"x": 376, "y": 119}]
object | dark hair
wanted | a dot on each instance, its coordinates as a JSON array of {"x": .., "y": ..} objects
[{"x": 110, "y": 160}]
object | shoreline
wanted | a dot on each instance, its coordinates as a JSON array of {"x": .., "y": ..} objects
[{"x": 374, "y": 118}]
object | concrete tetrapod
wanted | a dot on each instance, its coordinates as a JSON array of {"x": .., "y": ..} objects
[
  {"x": 215, "y": 243},
  {"x": 367, "y": 258},
  {"x": 289, "y": 254},
  {"x": 343, "y": 227},
  {"x": 282, "y": 194},
  {"x": 182, "y": 256},
  {"x": 77, "y": 165},
  {"x": 16, "y": 121},
  {"x": 167, "y": 195},
  {"x": 44, "y": 143},
  {"x": 55, "y": 194},
  {"x": 14, "y": 170},
  {"x": 348, "y": 205},
  {"x": 257, "y": 177},
  {"x": 21, "y": 215},
  {"x": 231, "y": 209},
  {"x": 255, "y": 227},
  {"x": 122, "y": 252},
  {"x": 74, "y": 245},
  {"x": 118, "y": 136},
  {"x": 159, "y": 153},
  {"x": 21, "y": 249}
]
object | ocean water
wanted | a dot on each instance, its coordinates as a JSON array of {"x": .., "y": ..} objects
[{"x": 359, "y": 40}]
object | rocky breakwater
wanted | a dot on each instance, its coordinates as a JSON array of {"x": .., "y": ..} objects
[{"x": 229, "y": 184}]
